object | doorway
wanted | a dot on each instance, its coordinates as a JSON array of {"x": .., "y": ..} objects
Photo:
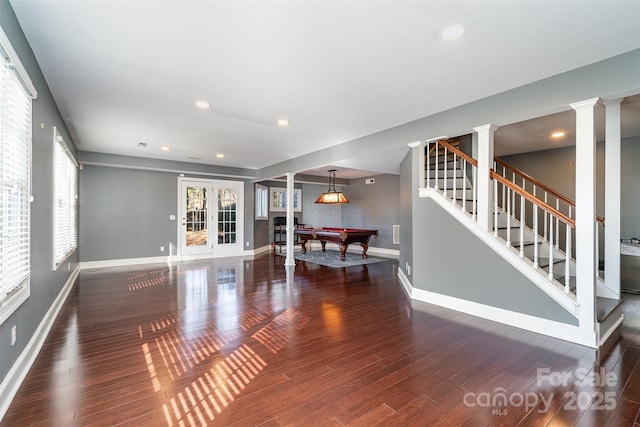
[{"x": 211, "y": 217}]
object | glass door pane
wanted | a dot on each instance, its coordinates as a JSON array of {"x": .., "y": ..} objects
[
  {"x": 227, "y": 215},
  {"x": 195, "y": 225}
]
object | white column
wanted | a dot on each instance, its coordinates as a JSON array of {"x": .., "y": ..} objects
[
  {"x": 420, "y": 146},
  {"x": 290, "y": 260},
  {"x": 612, "y": 195},
  {"x": 485, "y": 163},
  {"x": 586, "y": 213}
]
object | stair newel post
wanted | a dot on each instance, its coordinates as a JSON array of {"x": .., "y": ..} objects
[
  {"x": 474, "y": 193},
  {"x": 485, "y": 141},
  {"x": 612, "y": 194},
  {"x": 585, "y": 210},
  {"x": 428, "y": 160}
]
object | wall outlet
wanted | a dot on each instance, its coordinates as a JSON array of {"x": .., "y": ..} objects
[
  {"x": 13, "y": 335},
  {"x": 172, "y": 217},
  {"x": 247, "y": 244},
  {"x": 161, "y": 248},
  {"x": 68, "y": 266}
]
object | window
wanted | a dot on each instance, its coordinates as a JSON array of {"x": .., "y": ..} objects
[
  {"x": 262, "y": 202},
  {"x": 16, "y": 92},
  {"x": 65, "y": 179}
]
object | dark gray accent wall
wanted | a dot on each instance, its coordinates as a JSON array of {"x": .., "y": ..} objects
[
  {"x": 124, "y": 213},
  {"x": 450, "y": 260},
  {"x": 46, "y": 284},
  {"x": 374, "y": 206}
]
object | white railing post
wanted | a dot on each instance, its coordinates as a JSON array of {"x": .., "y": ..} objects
[
  {"x": 485, "y": 160},
  {"x": 290, "y": 260},
  {"x": 585, "y": 213},
  {"x": 612, "y": 195}
]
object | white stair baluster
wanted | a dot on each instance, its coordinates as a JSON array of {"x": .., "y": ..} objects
[
  {"x": 550, "y": 249},
  {"x": 508, "y": 217},
  {"x": 535, "y": 236},
  {"x": 436, "y": 167},
  {"x": 557, "y": 225},
  {"x": 567, "y": 259},
  {"x": 455, "y": 176},
  {"x": 428, "y": 165},
  {"x": 546, "y": 235},
  {"x": 444, "y": 184},
  {"x": 522, "y": 227},
  {"x": 464, "y": 184},
  {"x": 474, "y": 192},
  {"x": 495, "y": 208}
]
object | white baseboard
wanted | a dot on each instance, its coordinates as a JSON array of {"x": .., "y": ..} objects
[
  {"x": 20, "y": 368},
  {"x": 538, "y": 325},
  {"x": 404, "y": 281},
  {"x": 123, "y": 262}
]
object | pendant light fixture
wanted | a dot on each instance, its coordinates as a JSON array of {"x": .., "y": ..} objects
[{"x": 332, "y": 196}]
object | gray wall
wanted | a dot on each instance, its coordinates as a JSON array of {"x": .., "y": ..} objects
[
  {"x": 450, "y": 260},
  {"x": 45, "y": 283},
  {"x": 124, "y": 212},
  {"x": 407, "y": 189},
  {"x": 374, "y": 206}
]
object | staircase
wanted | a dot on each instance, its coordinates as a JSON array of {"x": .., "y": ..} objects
[{"x": 530, "y": 221}]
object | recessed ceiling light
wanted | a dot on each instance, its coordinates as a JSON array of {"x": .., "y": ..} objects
[
  {"x": 452, "y": 32},
  {"x": 202, "y": 104},
  {"x": 558, "y": 134},
  {"x": 220, "y": 155},
  {"x": 165, "y": 148},
  {"x": 283, "y": 122}
]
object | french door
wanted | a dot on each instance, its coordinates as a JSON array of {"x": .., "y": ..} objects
[{"x": 211, "y": 216}]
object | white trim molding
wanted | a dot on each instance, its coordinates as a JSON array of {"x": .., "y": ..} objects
[{"x": 527, "y": 322}]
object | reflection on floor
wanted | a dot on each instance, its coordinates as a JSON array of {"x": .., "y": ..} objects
[{"x": 250, "y": 342}]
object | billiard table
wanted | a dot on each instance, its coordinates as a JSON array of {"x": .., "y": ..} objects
[{"x": 342, "y": 236}]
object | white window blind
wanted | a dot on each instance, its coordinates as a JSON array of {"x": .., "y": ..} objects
[
  {"x": 15, "y": 185},
  {"x": 65, "y": 200}
]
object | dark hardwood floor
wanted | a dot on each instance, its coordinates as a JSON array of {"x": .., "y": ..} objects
[{"x": 239, "y": 342}]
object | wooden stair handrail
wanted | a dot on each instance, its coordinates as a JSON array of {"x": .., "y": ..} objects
[
  {"x": 523, "y": 193},
  {"x": 453, "y": 149},
  {"x": 542, "y": 185}
]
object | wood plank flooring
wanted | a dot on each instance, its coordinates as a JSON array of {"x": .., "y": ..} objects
[{"x": 241, "y": 342}]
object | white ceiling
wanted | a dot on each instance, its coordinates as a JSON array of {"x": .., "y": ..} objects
[{"x": 125, "y": 72}]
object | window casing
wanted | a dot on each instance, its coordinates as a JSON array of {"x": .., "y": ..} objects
[
  {"x": 65, "y": 183},
  {"x": 262, "y": 202},
  {"x": 16, "y": 93}
]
